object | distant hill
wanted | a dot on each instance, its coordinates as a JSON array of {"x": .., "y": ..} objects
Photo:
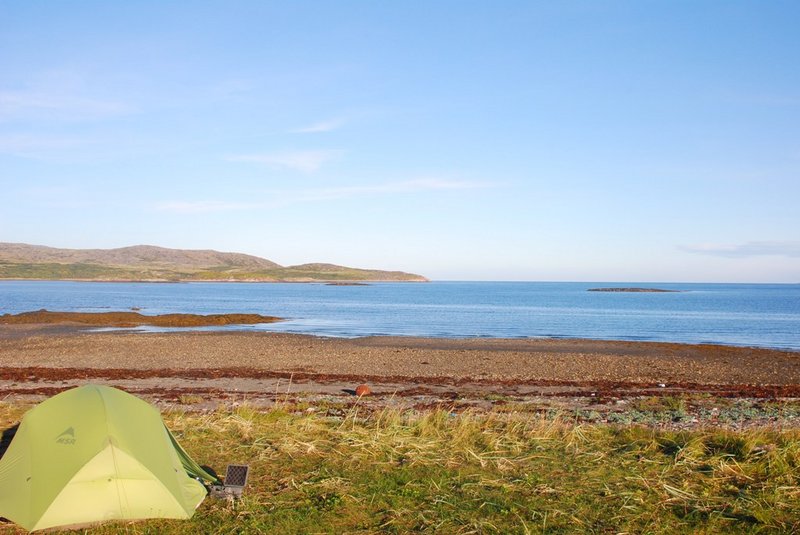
[{"x": 150, "y": 263}]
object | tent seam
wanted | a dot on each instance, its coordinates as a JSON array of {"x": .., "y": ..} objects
[{"x": 113, "y": 453}]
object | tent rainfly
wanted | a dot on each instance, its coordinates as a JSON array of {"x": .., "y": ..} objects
[{"x": 95, "y": 453}]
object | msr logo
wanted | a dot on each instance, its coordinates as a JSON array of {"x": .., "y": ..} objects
[{"x": 66, "y": 437}]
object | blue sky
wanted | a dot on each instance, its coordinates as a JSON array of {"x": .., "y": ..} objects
[{"x": 596, "y": 141}]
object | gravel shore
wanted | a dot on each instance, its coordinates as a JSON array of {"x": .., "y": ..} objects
[{"x": 58, "y": 346}]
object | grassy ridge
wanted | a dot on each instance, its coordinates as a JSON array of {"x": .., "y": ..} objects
[
  {"x": 64, "y": 271},
  {"x": 303, "y": 274},
  {"x": 400, "y": 471},
  {"x": 85, "y": 271}
]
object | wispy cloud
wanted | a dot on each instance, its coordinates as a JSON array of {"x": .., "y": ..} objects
[
  {"x": 60, "y": 197},
  {"x": 306, "y": 161},
  {"x": 408, "y": 186},
  {"x": 283, "y": 198},
  {"x": 321, "y": 126},
  {"x": 62, "y": 95},
  {"x": 24, "y": 104},
  {"x": 202, "y": 207},
  {"x": 746, "y": 250},
  {"x": 28, "y": 145}
]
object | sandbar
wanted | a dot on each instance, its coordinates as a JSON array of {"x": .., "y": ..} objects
[{"x": 132, "y": 319}]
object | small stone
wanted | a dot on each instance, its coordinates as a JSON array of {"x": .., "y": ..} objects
[{"x": 363, "y": 390}]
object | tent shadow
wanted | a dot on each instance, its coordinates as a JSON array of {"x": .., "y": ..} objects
[
  {"x": 5, "y": 442},
  {"x": 210, "y": 470},
  {"x": 7, "y": 437}
]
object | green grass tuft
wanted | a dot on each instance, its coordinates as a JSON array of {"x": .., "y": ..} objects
[{"x": 401, "y": 471}]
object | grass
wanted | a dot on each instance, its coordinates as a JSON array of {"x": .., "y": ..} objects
[
  {"x": 302, "y": 274},
  {"x": 401, "y": 471},
  {"x": 63, "y": 271},
  {"x": 85, "y": 271}
]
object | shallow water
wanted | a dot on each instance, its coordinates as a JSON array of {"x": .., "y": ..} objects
[{"x": 766, "y": 315}]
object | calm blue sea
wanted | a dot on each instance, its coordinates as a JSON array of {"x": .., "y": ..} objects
[{"x": 763, "y": 315}]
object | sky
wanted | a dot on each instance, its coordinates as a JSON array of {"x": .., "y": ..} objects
[{"x": 462, "y": 140}]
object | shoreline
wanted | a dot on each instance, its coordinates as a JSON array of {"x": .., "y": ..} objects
[
  {"x": 589, "y": 380},
  {"x": 70, "y": 345},
  {"x": 127, "y": 321},
  {"x": 132, "y": 318},
  {"x": 182, "y": 281}
]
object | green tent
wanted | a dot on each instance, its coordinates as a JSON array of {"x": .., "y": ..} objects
[{"x": 96, "y": 453}]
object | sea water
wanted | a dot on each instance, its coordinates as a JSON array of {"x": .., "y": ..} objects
[{"x": 764, "y": 315}]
